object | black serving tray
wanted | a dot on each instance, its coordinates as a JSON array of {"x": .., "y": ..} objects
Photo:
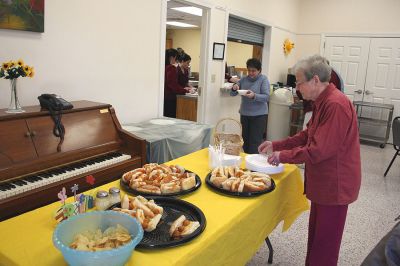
[
  {"x": 239, "y": 194},
  {"x": 130, "y": 190},
  {"x": 173, "y": 208}
]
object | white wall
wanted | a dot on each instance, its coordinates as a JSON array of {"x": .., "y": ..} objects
[
  {"x": 95, "y": 50},
  {"x": 188, "y": 40},
  {"x": 110, "y": 52},
  {"x": 343, "y": 16}
]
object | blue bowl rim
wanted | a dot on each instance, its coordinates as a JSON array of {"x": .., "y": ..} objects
[{"x": 59, "y": 245}]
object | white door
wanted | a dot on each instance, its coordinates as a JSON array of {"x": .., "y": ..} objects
[
  {"x": 383, "y": 77},
  {"x": 349, "y": 57}
]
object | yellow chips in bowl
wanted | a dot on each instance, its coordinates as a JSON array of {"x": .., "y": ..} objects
[{"x": 112, "y": 237}]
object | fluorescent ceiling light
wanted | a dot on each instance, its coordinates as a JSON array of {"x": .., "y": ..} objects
[
  {"x": 189, "y": 9},
  {"x": 180, "y": 24}
]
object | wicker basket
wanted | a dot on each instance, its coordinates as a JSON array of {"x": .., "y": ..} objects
[{"x": 232, "y": 142}]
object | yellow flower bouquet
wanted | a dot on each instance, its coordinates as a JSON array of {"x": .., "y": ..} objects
[
  {"x": 12, "y": 70},
  {"x": 16, "y": 69}
]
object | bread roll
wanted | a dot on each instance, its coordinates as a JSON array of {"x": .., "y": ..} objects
[
  {"x": 190, "y": 228},
  {"x": 176, "y": 224},
  {"x": 188, "y": 183},
  {"x": 153, "y": 223},
  {"x": 218, "y": 180}
]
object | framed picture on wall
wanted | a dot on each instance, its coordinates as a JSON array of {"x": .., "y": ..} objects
[
  {"x": 218, "y": 51},
  {"x": 27, "y": 15}
]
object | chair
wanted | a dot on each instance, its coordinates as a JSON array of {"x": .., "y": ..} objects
[{"x": 396, "y": 140}]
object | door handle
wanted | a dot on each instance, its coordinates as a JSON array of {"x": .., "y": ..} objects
[
  {"x": 358, "y": 91},
  {"x": 367, "y": 92}
]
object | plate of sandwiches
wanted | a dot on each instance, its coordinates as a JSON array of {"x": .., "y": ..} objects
[
  {"x": 234, "y": 181},
  {"x": 166, "y": 221},
  {"x": 160, "y": 180}
]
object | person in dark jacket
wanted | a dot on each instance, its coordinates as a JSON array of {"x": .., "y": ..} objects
[
  {"x": 183, "y": 70},
  {"x": 171, "y": 85}
]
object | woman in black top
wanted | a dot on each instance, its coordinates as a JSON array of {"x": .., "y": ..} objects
[{"x": 183, "y": 70}]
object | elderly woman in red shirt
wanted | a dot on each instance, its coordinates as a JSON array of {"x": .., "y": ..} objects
[{"x": 330, "y": 149}]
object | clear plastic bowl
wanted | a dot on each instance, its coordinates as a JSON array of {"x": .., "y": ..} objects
[{"x": 66, "y": 230}]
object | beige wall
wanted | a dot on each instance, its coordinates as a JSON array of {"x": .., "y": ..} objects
[
  {"x": 238, "y": 53},
  {"x": 353, "y": 17},
  {"x": 280, "y": 62},
  {"x": 106, "y": 56},
  {"x": 188, "y": 40},
  {"x": 113, "y": 56}
]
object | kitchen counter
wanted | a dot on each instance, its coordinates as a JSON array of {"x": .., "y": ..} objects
[{"x": 186, "y": 107}]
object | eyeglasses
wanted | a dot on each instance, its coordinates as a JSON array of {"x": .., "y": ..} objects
[{"x": 299, "y": 83}]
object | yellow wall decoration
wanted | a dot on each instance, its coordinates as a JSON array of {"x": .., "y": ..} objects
[{"x": 288, "y": 45}]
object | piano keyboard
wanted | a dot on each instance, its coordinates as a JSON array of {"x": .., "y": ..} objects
[{"x": 15, "y": 187}]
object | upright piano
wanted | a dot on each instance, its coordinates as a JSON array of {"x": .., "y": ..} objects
[{"x": 32, "y": 171}]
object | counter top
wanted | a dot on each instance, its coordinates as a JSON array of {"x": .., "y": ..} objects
[{"x": 188, "y": 97}]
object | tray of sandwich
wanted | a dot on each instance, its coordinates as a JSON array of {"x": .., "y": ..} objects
[
  {"x": 233, "y": 181},
  {"x": 166, "y": 221},
  {"x": 160, "y": 180}
]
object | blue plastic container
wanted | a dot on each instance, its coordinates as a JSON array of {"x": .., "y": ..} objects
[{"x": 66, "y": 230}]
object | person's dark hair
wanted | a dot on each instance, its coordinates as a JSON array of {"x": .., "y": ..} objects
[
  {"x": 181, "y": 52},
  {"x": 184, "y": 58},
  {"x": 254, "y": 63},
  {"x": 170, "y": 53}
]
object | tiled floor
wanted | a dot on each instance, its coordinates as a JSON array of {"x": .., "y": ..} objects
[{"x": 368, "y": 219}]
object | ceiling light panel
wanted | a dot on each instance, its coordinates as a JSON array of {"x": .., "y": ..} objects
[{"x": 190, "y": 10}]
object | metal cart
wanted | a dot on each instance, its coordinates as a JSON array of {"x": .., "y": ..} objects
[
  {"x": 296, "y": 118},
  {"x": 362, "y": 119}
]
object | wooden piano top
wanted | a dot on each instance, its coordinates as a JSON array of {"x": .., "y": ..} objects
[{"x": 31, "y": 111}]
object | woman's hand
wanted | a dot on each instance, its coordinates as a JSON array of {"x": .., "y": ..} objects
[
  {"x": 265, "y": 147},
  {"x": 235, "y": 87},
  {"x": 273, "y": 159},
  {"x": 234, "y": 80},
  {"x": 250, "y": 94}
]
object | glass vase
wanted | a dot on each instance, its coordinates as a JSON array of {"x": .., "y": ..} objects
[{"x": 14, "y": 106}]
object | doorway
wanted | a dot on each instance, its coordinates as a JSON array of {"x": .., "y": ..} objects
[{"x": 186, "y": 29}]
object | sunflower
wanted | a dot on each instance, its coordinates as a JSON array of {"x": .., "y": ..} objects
[
  {"x": 11, "y": 63},
  {"x": 21, "y": 62},
  {"x": 27, "y": 69},
  {"x": 31, "y": 73},
  {"x": 5, "y": 66},
  {"x": 287, "y": 46}
]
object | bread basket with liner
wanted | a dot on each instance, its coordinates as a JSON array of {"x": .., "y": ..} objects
[{"x": 230, "y": 140}]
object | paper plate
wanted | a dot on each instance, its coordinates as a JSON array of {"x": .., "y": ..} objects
[
  {"x": 242, "y": 92},
  {"x": 258, "y": 163},
  {"x": 132, "y": 128},
  {"x": 163, "y": 122}
]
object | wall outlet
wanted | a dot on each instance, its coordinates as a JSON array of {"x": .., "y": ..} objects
[{"x": 213, "y": 78}]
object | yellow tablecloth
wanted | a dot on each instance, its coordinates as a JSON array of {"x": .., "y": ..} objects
[{"x": 236, "y": 227}]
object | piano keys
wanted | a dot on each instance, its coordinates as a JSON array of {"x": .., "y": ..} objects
[{"x": 32, "y": 172}]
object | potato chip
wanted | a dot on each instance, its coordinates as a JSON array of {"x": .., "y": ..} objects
[{"x": 112, "y": 237}]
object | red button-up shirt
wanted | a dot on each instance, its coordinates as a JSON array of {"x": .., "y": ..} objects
[{"x": 330, "y": 149}]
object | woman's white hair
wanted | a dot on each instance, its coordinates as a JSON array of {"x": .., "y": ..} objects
[{"x": 314, "y": 65}]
